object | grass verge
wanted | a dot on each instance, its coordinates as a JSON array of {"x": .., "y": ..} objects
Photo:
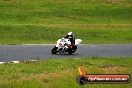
[
  {"x": 44, "y": 21},
  {"x": 55, "y": 73}
]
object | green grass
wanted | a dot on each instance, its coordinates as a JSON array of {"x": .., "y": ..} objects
[
  {"x": 52, "y": 73},
  {"x": 44, "y": 21}
]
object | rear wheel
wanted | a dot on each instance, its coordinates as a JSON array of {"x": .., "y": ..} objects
[{"x": 54, "y": 50}]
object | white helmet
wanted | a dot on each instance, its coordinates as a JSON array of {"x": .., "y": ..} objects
[{"x": 69, "y": 33}]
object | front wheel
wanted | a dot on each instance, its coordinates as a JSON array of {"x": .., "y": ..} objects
[
  {"x": 70, "y": 51},
  {"x": 54, "y": 50},
  {"x": 74, "y": 49}
]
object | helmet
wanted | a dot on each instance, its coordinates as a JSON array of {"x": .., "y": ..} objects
[
  {"x": 69, "y": 33},
  {"x": 63, "y": 38}
]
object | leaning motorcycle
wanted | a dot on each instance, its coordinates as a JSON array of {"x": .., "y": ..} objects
[{"x": 64, "y": 45}]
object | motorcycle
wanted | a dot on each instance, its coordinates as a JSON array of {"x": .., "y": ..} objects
[{"x": 64, "y": 45}]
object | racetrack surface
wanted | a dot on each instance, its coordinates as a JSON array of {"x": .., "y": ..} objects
[{"x": 28, "y": 52}]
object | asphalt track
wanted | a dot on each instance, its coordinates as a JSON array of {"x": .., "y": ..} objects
[{"x": 28, "y": 52}]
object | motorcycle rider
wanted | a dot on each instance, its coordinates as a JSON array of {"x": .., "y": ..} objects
[{"x": 71, "y": 37}]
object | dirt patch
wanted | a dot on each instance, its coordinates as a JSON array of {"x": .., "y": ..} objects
[
  {"x": 113, "y": 69},
  {"x": 90, "y": 26},
  {"x": 52, "y": 75}
]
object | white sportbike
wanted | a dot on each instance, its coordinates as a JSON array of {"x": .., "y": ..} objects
[{"x": 64, "y": 45}]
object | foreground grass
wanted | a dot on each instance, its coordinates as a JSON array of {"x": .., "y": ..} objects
[
  {"x": 58, "y": 73},
  {"x": 44, "y": 21}
]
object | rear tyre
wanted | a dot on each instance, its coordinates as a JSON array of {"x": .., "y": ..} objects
[{"x": 54, "y": 50}]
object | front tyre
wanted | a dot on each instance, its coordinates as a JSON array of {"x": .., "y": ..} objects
[
  {"x": 74, "y": 49},
  {"x": 54, "y": 50},
  {"x": 70, "y": 51}
]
